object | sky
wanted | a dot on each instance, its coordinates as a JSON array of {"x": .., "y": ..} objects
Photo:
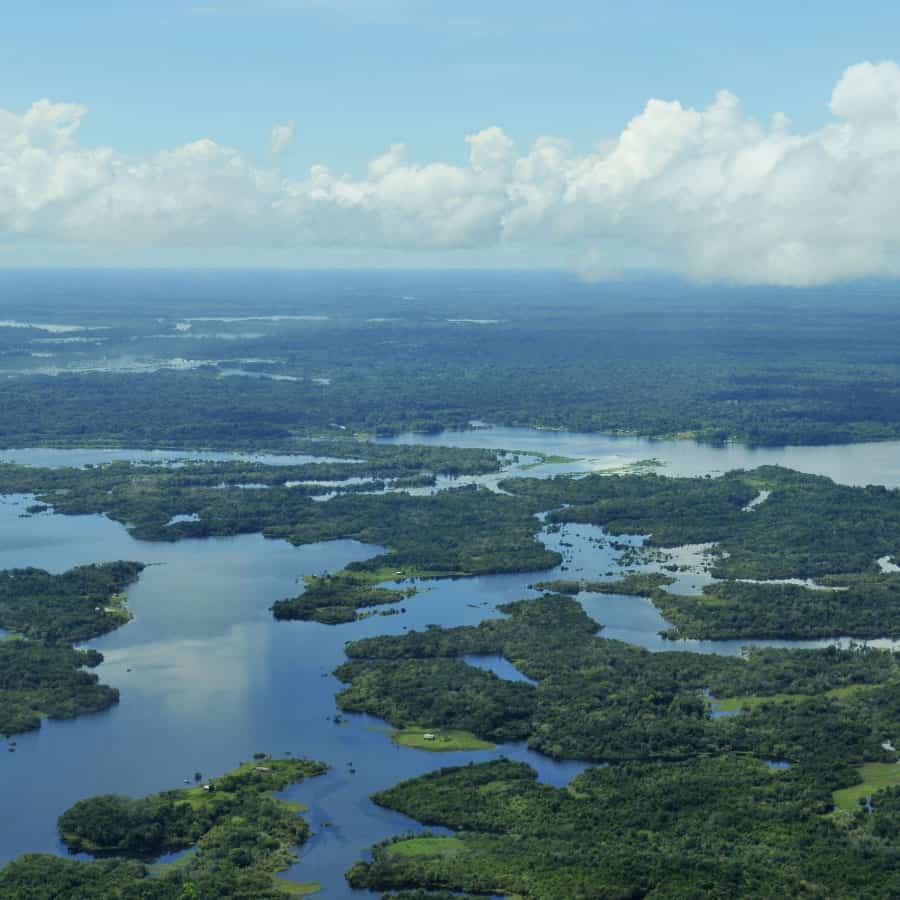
[{"x": 756, "y": 143}]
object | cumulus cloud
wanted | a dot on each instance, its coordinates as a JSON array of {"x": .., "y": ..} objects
[
  {"x": 282, "y": 137},
  {"x": 708, "y": 193}
]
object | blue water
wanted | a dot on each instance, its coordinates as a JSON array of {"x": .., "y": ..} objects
[
  {"x": 855, "y": 464},
  {"x": 207, "y": 677},
  {"x": 499, "y": 665},
  {"x": 52, "y": 457}
]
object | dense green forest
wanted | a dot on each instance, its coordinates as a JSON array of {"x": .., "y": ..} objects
[
  {"x": 762, "y": 367},
  {"x": 41, "y": 674},
  {"x": 331, "y": 599},
  {"x": 807, "y": 527},
  {"x": 689, "y": 806},
  {"x": 711, "y": 827},
  {"x": 604, "y": 700},
  {"x": 242, "y": 836},
  {"x": 864, "y": 606},
  {"x": 69, "y": 608},
  {"x": 38, "y": 680}
]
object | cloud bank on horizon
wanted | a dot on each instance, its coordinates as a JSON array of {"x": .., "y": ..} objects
[{"x": 709, "y": 194}]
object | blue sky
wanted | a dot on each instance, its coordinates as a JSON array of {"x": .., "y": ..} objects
[
  {"x": 358, "y": 76},
  {"x": 355, "y": 77}
]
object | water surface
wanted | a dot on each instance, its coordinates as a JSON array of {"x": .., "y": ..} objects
[
  {"x": 876, "y": 462},
  {"x": 207, "y": 677}
]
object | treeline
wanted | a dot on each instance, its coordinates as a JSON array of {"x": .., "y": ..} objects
[
  {"x": 440, "y": 693},
  {"x": 716, "y": 826},
  {"x": 861, "y": 606},
  {"x": 807, "y": 527},
  {"x": 689, "y": 805},
  {"x": 75, "y": 606},
  {"x": 605, "y": 701},
  {"x": 240, "y": 834},
  {"x": 146, "y": 827},
  {"x": 656, "y": 367},
  {"x": 332, "y": 599},
  {"x": 41, "y": 674},
  {"x": 38, "y": 680},
  {"x": 638, "y": 584}
]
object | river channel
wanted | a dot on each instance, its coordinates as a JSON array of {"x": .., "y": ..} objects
[{"x": 207, "y": 677}]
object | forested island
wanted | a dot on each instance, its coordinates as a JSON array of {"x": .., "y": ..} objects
[
  {"x": 239, "y": 836},
  {"x": 716, "y": 826},
  {"x": 691, "y": 804},
  {"x": 605, "y": 701},
  {"x": 41, "y": 673}
]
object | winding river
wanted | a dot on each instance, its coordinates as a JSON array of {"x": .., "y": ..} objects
[{"x": 207, "y": 677}]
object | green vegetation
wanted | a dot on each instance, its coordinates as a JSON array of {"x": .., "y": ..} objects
[
  {"x": 332, "y": 599},
  {"x": 765, "y": 367},
  {"x": 426, "y": 846},
  {"x": 243, "y": 836},
  {"x": 457, "y": 531},
  {"x": 687, "y": 806},
  {"x": 642, "y": 825},
  {"x": 642, "y": 584},
  {"x": 447, "y": 694},
  {"x": 549, "y": 459},
  {"x": 78, "y": 605},
  {"x": 607, "y": 701},
  {"x": 737, "y": 704},
  {"x": 432, "y": 895},
  {"x": 875, "y": 777},
  {"x": 717, "y": 826},
  {"x": 40, "y": 672},
  {"x": 147, "y": 827},
  {"x": 38, "y": 680},
  {"x": 441, "y": 740},
  {"x": 808, "y": 527},
  {"x": 297, "y": 888},
  {"x": 860, "y": 606}
]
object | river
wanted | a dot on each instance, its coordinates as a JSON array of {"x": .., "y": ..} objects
[
  {"x": 208, "y": 677},
  {"x": 854, "y": 464}
]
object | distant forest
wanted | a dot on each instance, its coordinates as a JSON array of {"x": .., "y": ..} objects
[{"x": 762, "y": 367}]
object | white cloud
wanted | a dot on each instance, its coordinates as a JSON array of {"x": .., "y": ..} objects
[
  {"x": 708, "y": 193},
  {"x": 282, "y": 137}
]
